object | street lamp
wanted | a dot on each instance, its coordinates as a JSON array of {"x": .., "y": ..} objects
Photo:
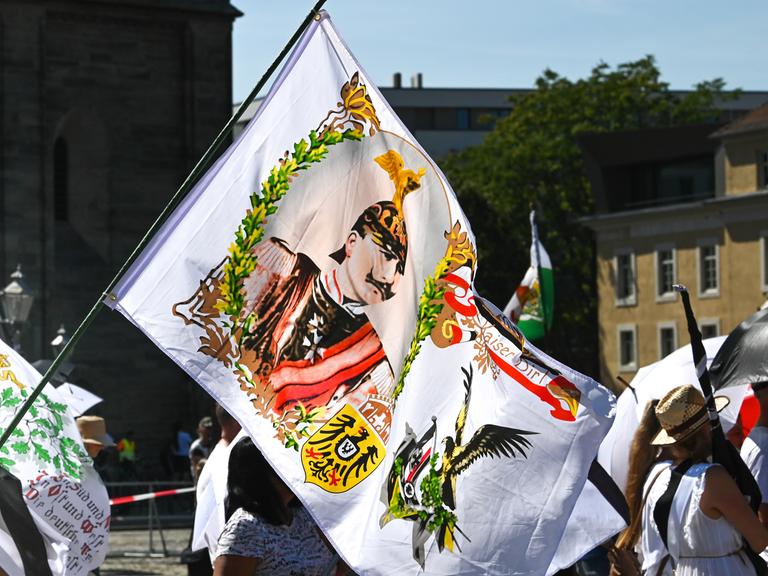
[
  {"x": 61, "y": 340},
  {"x": 16, "y": 301}
]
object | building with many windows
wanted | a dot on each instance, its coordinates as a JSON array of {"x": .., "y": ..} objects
[
  {"x": 443, "y": 120},
  {"x": 677, "y": 205}
]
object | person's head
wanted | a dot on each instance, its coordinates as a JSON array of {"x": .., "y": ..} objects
[
  {"x": 205, "y": 429},
  {"x": 229, "y": 426},
  {"x": 197, "y": 468},
  {"x": 683, "y": 416},
  {"x": 93, "y": 430},
  {"x": 373, "y": 256},
  {"x": 196, "y": 455},
  {"x": 253, "y": 485}
]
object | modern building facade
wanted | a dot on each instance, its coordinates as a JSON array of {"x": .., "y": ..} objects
[
  {"x": 443, "y": 120},
  {"x": 680, "y": 205}
]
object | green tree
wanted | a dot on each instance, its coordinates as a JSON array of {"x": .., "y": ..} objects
[{"x": 532, "y": 158}]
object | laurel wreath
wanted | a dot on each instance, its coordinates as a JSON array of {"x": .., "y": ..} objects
[
  {"x": 241, "y": 261},
  {"x": 430, "y": 306},
  {"x": 458, "y": 253}
]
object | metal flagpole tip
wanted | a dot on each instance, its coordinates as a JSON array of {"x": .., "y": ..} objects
[{"x": 679, "y": 288}]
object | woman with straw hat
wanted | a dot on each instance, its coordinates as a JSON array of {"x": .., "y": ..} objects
[{"x": 709, "y": 518}]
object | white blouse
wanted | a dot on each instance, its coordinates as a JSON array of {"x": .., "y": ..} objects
[
  {"x": 699, "y": 545},
  {"x": 295, "y": 550}
]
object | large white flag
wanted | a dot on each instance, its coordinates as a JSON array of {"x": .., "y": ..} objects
[
  {"x": 65, "y": 496},
  {"x": 318, "y": 283}
]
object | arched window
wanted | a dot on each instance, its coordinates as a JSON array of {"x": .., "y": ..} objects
[{"x": 60, "y": 181}]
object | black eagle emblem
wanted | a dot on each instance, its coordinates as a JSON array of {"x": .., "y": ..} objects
[{"x": 490, "y": 440}]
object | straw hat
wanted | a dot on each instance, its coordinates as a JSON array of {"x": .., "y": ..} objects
[
  {"x": 93, "y": 429},
  {"x": 681, "y": 412}
]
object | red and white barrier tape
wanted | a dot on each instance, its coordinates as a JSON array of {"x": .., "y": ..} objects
[{"x": 149, "y": 496}]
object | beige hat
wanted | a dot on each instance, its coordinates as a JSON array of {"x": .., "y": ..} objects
[
  {"x": 681, "y": 412},
  {"x": 93, "y": 429}
]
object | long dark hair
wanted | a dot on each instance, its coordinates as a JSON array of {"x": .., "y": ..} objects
[
  {"x": 642, "y": 456},
  {"x": 250, "y": 484}
]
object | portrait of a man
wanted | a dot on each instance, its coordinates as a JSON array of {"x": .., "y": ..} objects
[{"x": 310, "y": 341}]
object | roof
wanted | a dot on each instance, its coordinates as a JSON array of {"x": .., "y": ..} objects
[
  {"x": 623, "y": 147},
  {"x": 726, "y": 207},
  {"x": 754, "y": 121},
  {"x": 223, "y": 7}
]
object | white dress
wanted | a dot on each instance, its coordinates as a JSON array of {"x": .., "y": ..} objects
[{"x": 698, "y": 544}]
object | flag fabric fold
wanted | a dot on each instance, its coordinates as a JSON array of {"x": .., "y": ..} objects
[
  {"x": 45, "y": 457},
  {"x": 532, "y": 304},
  {"x": 318, "y": 283},
  {"x": 22, "y": 546}
]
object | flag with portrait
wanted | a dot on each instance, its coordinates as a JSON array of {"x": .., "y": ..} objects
[{"x": 318, "y": 282}]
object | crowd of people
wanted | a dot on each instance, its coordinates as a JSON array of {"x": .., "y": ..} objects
[{"x": 124, "y": 461}]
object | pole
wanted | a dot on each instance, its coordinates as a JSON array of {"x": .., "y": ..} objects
[
  {"x": 723, "y": 452},
  {"x": 535, "y": 237},
  {"x": 202, "y": 165}
]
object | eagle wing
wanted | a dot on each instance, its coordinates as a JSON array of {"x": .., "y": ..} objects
[{"x": 492, "y": 441}]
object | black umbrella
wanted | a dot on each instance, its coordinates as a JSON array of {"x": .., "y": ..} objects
[{"x": 743, "y": 357}]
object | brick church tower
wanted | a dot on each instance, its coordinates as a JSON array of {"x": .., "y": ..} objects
[{"x": 105, "y": 105}]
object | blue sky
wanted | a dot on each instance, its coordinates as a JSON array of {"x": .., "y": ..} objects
[{"x": 498, "y": 44}]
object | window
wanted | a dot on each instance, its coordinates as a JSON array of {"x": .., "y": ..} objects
[
  {"x": 627, "y": 348},
  {"x": 709, "y": 282},
  {"x": 709, "y": 327},
  {"x": 665, "y": 273},
  {"x": 624, "y": 268},
  {"x": 667, "y": 339},
  {"x": 762, "y": 169},
  {"x": 462, "y": 118}
]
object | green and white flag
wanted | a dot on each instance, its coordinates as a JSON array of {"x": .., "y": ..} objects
[
  {"x": 45, "y": 458},
  {"x": 532, "y": 304}
]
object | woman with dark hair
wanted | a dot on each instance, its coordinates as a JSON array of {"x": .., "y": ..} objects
[
  {"x": 267, "y": 531},
  {"x": 709, "y": 517}
]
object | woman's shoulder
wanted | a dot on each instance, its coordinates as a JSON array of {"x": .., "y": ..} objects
[{"x": 244, "y": 534}]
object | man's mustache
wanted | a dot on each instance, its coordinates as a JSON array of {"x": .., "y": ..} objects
[{"x": 384, "y": 287}]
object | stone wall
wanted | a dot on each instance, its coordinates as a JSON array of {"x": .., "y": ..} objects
[{"x": 133, "y": 92}]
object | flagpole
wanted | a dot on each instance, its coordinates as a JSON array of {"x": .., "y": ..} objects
[
  {"x": 202, "y": 165},
  {"x": 723, "y": 452},
  {"x": 535, "y": 234}
]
